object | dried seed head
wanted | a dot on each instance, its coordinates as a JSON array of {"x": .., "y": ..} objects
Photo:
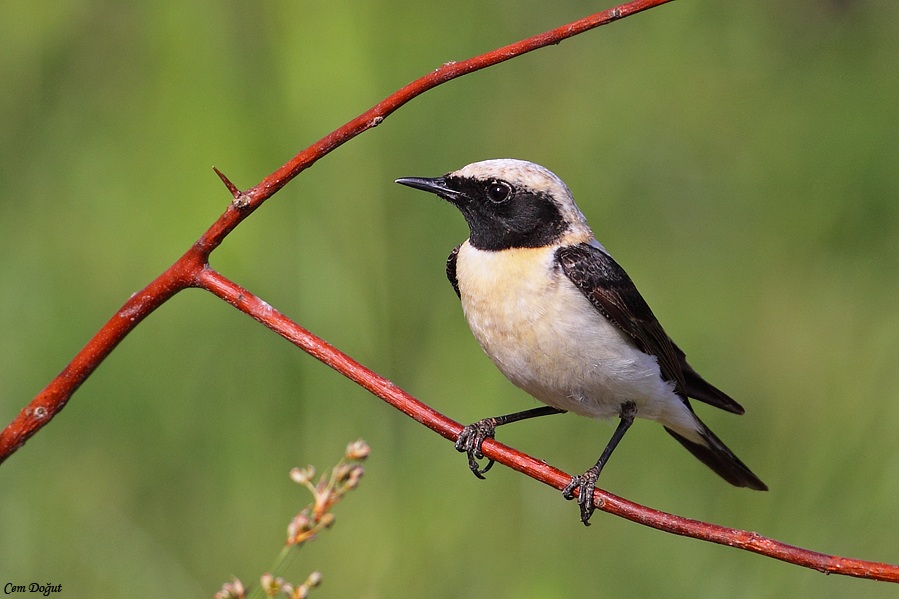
[
  {"x": 314, "y": 579},
  {"x": 302, "y": 476},
  {"x": 357, "y": 450},
  {"x": 271, "y": 586},
  {"x": 231, "y": 590},
  {"x": 352, "y": 480}
]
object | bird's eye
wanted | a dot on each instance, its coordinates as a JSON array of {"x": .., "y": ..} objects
[{"x": 498, "y": 191}]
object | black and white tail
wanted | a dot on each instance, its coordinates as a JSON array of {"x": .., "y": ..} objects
[{"x": 719, "y": 458}]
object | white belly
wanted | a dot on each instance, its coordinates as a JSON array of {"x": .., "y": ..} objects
[{"x": 549, "y": 340}]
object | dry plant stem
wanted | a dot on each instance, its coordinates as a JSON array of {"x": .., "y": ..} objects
[{"x": 192, "y": 270}]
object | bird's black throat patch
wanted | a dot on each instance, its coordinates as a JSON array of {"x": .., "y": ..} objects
[{"x": 525, "y": 219}]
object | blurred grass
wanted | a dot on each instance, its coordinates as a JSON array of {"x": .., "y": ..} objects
[{"x": 738, "y": 159}]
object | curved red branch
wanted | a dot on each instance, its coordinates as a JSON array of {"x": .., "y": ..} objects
[
  {"x": 251, "y": 305},
  {"x": 183, "y": 273}
]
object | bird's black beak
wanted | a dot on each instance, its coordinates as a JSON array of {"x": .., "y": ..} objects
[{"x": 437, "y": 185}]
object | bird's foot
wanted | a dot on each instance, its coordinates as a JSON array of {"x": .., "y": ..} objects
[
  {"x": 585, "y": 484},
  {"x": 470, "y": 440}
]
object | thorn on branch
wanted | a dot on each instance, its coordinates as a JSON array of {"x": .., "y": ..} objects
[{"x": 240, "y": 200}]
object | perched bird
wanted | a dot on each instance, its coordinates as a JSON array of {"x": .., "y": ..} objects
[{"x": 563, "y": 321}]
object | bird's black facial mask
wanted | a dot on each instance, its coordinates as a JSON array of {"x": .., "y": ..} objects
[{"x": 499, "y": 216}]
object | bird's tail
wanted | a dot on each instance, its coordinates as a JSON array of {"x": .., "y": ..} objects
[{"x": 715, "y": 454}]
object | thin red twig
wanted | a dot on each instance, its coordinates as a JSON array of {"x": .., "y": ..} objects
[{"x": 192, "y": 270}]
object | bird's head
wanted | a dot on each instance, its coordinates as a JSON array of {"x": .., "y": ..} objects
[{"x": 510, "y": 204}]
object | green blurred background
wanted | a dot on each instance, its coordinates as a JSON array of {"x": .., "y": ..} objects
[{"x": 739, "y": 159}]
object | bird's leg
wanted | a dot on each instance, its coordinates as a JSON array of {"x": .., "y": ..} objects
[
  {"x": 473, "y": 435},
  {"x": 586, "y": 482}
]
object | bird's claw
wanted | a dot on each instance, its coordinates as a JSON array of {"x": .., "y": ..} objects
[
  {"x": 470, "y": 440},
  {"x": 585, "y": 484}
]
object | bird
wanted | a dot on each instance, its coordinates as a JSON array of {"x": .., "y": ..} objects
[{"x": 562, "y": 320}]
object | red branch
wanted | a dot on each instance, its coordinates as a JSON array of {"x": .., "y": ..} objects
[
  {"x": 251, "y": 305},
  {"x": 192, "y": 270},
  {"x": 185, "y": 272}
]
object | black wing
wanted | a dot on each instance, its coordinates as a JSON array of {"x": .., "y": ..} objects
[
  {"x": 451, "y": 270},
  {"x": 612, "y": 292}
]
